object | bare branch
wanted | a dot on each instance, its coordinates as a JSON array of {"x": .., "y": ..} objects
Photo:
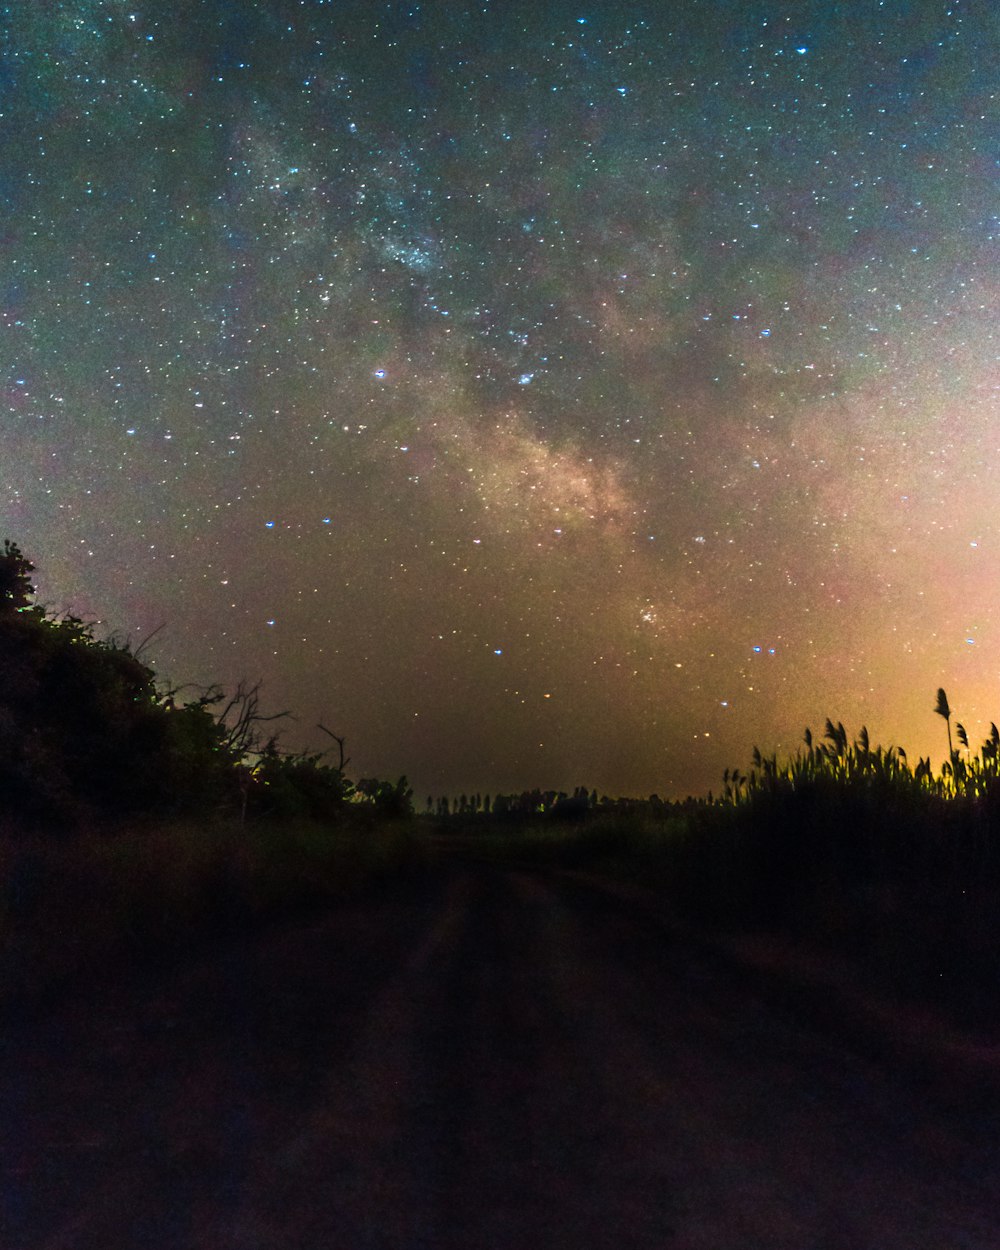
[
  {"x": 137, "y": 651},
  {"x": 241, "y": 717},
  {"x": 342, "y": 764}
]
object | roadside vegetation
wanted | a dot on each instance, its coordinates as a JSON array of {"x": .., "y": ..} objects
[
  {"x": 844, "y": 847},
  {"x": 137, "y": 820}
]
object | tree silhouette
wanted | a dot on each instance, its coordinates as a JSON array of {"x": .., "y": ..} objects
[
  {"x": 16, "y": 590},
  {"x": 86, "y": 730}
]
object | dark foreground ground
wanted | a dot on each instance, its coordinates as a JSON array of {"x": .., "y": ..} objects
[{"x": 485, "y": 1058}]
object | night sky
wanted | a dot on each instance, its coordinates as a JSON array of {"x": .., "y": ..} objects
[{"x": 536, "y": 394}]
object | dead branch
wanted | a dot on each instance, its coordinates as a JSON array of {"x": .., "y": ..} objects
[
  {"x": 241, "y": 719},
  {"x": 342, "y": 764}
]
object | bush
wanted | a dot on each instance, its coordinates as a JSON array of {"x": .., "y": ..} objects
[{"x": 86, "y": 731}]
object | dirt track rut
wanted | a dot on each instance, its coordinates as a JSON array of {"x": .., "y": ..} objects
[{"x": 488, "y": 1058}]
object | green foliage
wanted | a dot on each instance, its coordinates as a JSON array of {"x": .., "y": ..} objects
[
  {"x": 85, "y": 730},
  {"x": 76, "y": 716},
  {"x": 298, "y": 786}
]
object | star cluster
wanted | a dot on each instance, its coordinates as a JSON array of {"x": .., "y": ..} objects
[{"x": 542, "y": 395}]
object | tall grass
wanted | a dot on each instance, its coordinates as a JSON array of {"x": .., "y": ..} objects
[
  {"x": 139, "y": 896},
  {"x": 963, "y": 775},
  {"x": 842, "y": 845}
]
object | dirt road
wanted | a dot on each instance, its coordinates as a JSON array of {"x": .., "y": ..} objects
[{"x": 486, "y": 1059}]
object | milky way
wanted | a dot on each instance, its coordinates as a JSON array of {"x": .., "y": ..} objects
[{"x": 536, "y": 394}]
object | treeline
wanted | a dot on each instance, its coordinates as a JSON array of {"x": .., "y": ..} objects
[
  {"x": 88, "y": 731},
  {"x": 530, "y": 804}
]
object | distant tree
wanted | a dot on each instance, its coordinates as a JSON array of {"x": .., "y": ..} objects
[
  {"x": 572, "y": 808},
  {"x": 387, "y": 799}
]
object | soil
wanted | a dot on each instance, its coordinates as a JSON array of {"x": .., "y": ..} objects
[{"x": 483, "y": 1057}]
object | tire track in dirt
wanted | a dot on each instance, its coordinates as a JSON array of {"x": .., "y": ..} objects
[
  {"x": 140, "y": 1115},
  {"x": 548, "y": 1070},
  {"x": 494, "y": 1058}
]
